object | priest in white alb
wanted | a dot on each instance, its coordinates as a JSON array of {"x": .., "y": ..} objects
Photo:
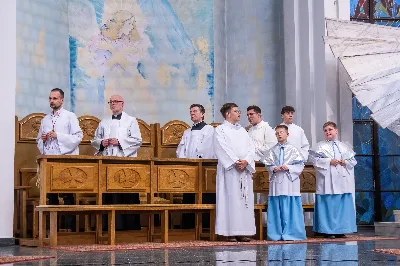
[
  {"x": 285, "y": 212},
  {"x": 60, "y": 134},
  {"x": 334, "y": 211},
  {"x": 235, "y": 198},
  {"x": 119, "y": 135},
  {"x": 197, "y": 143}
]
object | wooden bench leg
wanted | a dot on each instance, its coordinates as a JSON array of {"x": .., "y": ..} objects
[
  {"x": 198, "y": 225},
  {"x": 150, "y": 226},
  {"x": 213, "y": 236},
  {"x": 111, "y": 227},
  {"x": 35, "y": 226},
  {"x": 42, "y": 228},
  {"x": 164, "y": 226},
  {"x": 87, "y": 223},
  {"x": 259, "y": 225},
  {"x": 23, "y": 214},
  {"x": 99, "y": 228},
  {"x": 53, "y": 229}
]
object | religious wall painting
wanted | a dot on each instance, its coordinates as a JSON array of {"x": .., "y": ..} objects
[{"x": 155, "y": 55}]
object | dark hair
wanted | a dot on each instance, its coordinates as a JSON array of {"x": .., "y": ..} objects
[
  {"x": 226, "y": 108},
  {"x": 329, "y": 123},
  {"x": 60, "y": 91},
  {"x": 287, "y": 109},
  {"x": 201, "y": 107},
  {"x": 255, "y": 108},
  {"x": 282, "y": 126}
]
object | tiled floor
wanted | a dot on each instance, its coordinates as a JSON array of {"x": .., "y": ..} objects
[{"x": 349, "y": 253}]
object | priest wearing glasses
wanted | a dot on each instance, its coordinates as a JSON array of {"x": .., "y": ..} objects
[{"x": 119, "y": 135}]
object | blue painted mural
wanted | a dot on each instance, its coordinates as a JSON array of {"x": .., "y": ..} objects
[{"x": 156, "y": 54}]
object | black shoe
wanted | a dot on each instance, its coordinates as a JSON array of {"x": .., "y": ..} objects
[
  {"x": 231, "y": 239},
  {"x": 340, "y": 236},
  {"x": 329, "y": 236}
]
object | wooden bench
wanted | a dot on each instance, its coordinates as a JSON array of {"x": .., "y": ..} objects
[{"x": 110, "y": 210}]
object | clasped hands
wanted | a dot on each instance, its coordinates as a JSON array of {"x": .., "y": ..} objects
[
  {"x": 50, "y": 135},
  {"x": 335, "y": 162},
  {"x": 280, "y": 168},
  {"x": 240, "y": 165},
  {"x": 110, "y": 142}
]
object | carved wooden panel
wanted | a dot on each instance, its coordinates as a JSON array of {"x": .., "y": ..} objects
[
  {"x": 261, "y": 180},
  {"x": 172, "y": 132},
  {"x": 67, "y": 177},
  {"x": 210, "y": 179},
  {"x": 177, "y": 178},
  {"x": 145, "y": 131},
  {"x": 308, "y": 181},
  {"x": 29, "y": 126},
  {"x": 88, "y": 125},
  {"x": 133, "y": 177}
]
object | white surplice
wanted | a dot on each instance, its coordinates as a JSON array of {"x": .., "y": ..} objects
[
  {"x": 285, "y": 183},
  {"x": 263, "y": 137},
  {"x": 235, "y": 204},
  {"x": 298, "y": 138},
  {"x": 69, "y": 134},
  {"x": 334, "y": 179},
  {"x": 126, "y": 130},
  {"x": 197, "y": 144}
]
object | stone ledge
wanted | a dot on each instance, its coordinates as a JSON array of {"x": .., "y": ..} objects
[
  {"x": 4, "y": 242},
  {"x": 391, "y": 229}
]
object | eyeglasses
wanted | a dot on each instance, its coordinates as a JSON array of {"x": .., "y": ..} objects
[
  {"x": 111, "y": 102},
  {"x": 237, "y": 111}
]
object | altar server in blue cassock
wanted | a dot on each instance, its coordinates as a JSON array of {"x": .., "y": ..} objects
[
  {"x": 334, "y": 213},
  {"x": 285, "y": 213}
]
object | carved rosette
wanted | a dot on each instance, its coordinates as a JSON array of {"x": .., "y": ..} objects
[
  {"x": 261, "y": 180},
  {"x": 172, "y": 132},
  {"x": 72, "y": 178},
  {"x": 177, "y": 178},
  {"x": 128, "y": 178},
  {"x": 308, "y": 181},
  {"x": 29, "y": 126},
  {"x": 88, "y": 125},
  {"x": 210, "y": 180},
  {"x": 145, "y": 131}
]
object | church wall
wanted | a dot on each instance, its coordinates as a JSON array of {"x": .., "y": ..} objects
[
  {"x": 42, "y": 54},
  {"x": 7, "y": 120},
  {"x": 163, "y": 59}
]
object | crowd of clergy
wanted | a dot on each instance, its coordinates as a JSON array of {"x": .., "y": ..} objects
[{"x": 283, "y": 150}]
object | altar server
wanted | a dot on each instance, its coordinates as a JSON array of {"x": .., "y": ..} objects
[
  {"x": 298, "y": 138},
  {"x": 334, "y": 213},
  {"x": 235, "y": 198},
  {"x": 285, "y": 212}
]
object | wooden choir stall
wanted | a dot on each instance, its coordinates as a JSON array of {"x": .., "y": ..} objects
[{"x": 156, "y": 174}]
